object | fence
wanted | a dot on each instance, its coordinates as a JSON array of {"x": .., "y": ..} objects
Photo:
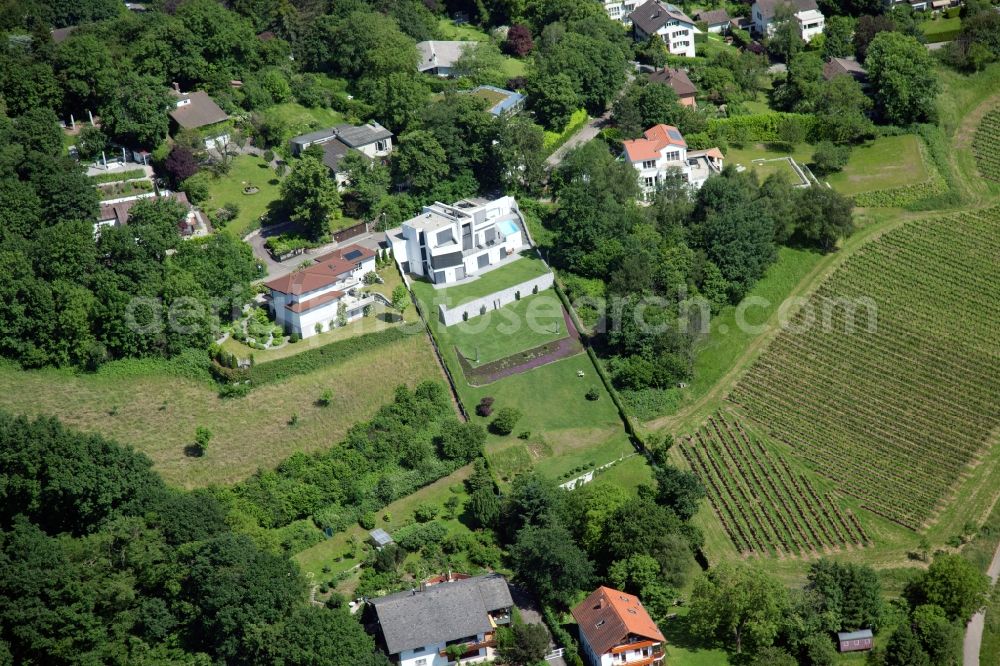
[
  {"x": 494, "y": 301},
  {"x": 350, "y": 232}
]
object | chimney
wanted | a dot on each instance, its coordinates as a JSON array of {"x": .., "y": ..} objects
[{"x": 177, "y": 87}]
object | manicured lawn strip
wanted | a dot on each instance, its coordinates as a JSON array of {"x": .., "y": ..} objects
[
  {"x": 745, "y": 155},
  {"x": 889, "y": 161},
  {"x": 534, "y": 320},
  {"x": 228, "y": 189},
  {"x": 942, "y": 29},
  {"x": 527, "y": 267},
  {"x": 157, "y": 411},
  {"x": 299, "y": 119}
]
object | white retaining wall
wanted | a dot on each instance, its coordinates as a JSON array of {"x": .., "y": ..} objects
[{"x": 495, "y": 301}]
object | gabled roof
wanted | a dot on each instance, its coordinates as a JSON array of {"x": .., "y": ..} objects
[
  {"x": 201, "y": 110},
  {"x": 676, "y": 79},
  {"x": 854, "y": 635},
  {"x": 333, "y": 153},
  {"x": 326, "y": 271},
  {"x": 656, "y": 139},
  {"x": 356, "y": 136},
  {"x": 844, "y": 66},
  {"x": 609, "y": 617},
  {"x": 767, "y": 7},
  {"x": 440, "y": 613},
  {"x": 654, "y": 14},
  {"x": 713, "y": 17},
  {"x": 439, "y": 54}
]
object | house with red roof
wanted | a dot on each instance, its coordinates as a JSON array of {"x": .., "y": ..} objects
[
  {"x": 309, "y": 301},
  {"x": 616, "y": 630},
  {"x": 662, "y": 152}
]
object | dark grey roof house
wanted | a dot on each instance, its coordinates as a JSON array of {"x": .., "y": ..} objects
[
  {"x": 420, "y": 624},
  {"x": 371, "y": 140}
]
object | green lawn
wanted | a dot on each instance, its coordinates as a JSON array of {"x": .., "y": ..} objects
[
  {"x": 300, "y": 119},
  {"x": 145, "y": 405},
  {"x": 450, "y": 31},
  {"x": 942, "y": 29},
  {"x": 527, "y": 267},
  {"x": 525, "y": 324},
  {"x": 889, "y": 161},
  {"x": 746, "y": 154},
  {"x": 228, "y": 189}
]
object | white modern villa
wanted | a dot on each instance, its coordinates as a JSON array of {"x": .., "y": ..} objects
[
  {"x": 662, "y": 151},
  {"x": 806, "y": 14},
  {"x": 449, "y": 243},
  {"x": 620, "y": 10},
  {"x": 311, "y": 299}
]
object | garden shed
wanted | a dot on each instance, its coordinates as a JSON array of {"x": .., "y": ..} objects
[{"x": 380, "y": 538}]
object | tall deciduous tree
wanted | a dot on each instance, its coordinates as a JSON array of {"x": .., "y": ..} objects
[
  {"x": 553, "y": 98},
  {"x": 311, "y": 196},
  {"x": 902, "y": 75},
  {"x": 421, "y": 160},
  {"x": 739, "y": 605},
  {"x": 954, "y": 584},
  {"x": 547, "y": 561},
  {"x": 135, "y": 111}
]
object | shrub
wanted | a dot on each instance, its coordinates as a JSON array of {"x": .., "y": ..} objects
[
  {"x": 268, "y": 155},
  {"x": 505, "y": 420},
  {"x": 196, "y": 187},
  {"x": 482, "y": 309},
  {"x": 367, "y": 521},
  {"x": 524, "y": 435},
  {"x": 325, "y": 398},
  {"x": 371, "y": 277},
  {"x": 592, "y": 393},
  {"x": 485, "y": 406},
  {"x": 202, "y": 436},
  {"x": 426, "y": 512}
]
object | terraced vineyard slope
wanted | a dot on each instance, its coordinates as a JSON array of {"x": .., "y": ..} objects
[
  {"x": 897, "y": 412},
  {"x": 763, "y": 506},
  {"x": 986, "y": 145}
]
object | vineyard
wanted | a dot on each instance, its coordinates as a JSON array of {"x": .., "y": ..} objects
[
  {"x": 764, "y": 507},
  {"x": 986, "y": 145},
  {"x": 893, "y": 413}
]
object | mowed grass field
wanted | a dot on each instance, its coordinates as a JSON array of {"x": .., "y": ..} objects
[
  {"x": 157, "y": 413},
  {"x": 898, "y": 409},
  {"x": 525, "y": 324},
  {"x": 528, "y": 266},
  {"x": 228, "y": 189}
]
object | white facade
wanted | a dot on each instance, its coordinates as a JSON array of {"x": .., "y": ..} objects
[
  {"x": 619, "y": 11},
  {"x": 299, "y": 313},
  {"x": 663, "y": 152},
  {"x": 447, "y": 244},
  {"x": 430, "y": 655},
  {"x": 669, "y": 23},
  {"x": 643, "y": 655},
  {"x": 810, "y": 22},
  {"x": 677, "y": 35}
]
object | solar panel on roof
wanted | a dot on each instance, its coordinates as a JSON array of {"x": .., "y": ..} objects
[
  {"x": 353, "y": 254},
  {"x": 675, "y": 135}
]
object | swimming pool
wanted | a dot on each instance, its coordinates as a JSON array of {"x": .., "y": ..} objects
[{"x": 508, "y": 227}]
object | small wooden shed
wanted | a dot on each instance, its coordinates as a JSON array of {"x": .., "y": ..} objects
[{"x": 855, "y": 641}]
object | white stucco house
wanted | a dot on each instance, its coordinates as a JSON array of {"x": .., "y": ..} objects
[
  {"x": 313, "y": 296},
  {"x": 616, "y": 630},
  {"x": 449, "y": 243},
  {"x": 662, "y": 151},
  {"x": 371, "y": 140},
  {"x": 417, "y": 627},
  {"x": 620, "y": 10},
  {"x": 673, "y": 26},
  {"x": 808, "y": 18}
]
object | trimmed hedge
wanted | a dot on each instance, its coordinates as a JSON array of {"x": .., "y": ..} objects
[
  {"x": 314, "y": 359},
  {"x": 562, "y": 637},
  {"x": 757, "y": 127},
  {"x": 551, "y": 141}
]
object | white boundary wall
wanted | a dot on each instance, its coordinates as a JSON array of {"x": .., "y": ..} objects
[{"x": 495, "y": 301}]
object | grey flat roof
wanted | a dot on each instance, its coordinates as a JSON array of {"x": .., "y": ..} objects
[
  {"x": 361, "y": 135},
  {"x": 441, "y": 613},
  {"x": 436, "y": 53},
  {"x": 378, "y": 535},
  {"x": 854, "y": 635},
  {"x": 312, "y": 137}
]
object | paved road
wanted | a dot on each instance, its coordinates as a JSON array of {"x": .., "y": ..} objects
[
  {"x": 974, "y": 632},
  {"x": 276, "y": 269},
  {"x": 582, "y": 136}
]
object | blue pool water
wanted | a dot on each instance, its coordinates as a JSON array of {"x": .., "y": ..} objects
[{"x": 507, "y": 227}]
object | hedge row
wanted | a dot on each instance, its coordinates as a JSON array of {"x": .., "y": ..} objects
[
  {"x": 562, "y": 637},
  {"x": 755, "y": 127},
  {"x": 315, "y": 359},
  {"x": 102, "y": 178}
]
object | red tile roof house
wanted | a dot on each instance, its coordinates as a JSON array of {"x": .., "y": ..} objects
[
  {"x": 309, "y": 299},
  {"x": 663, "y": 150},
  {"x": 616, "y": 630}
]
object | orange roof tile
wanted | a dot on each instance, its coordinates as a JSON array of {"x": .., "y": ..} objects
[
  {"x": 326, "y": 271},
  {"x": 609, "y": 617},
  {"x": 656, "y": 139}
]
